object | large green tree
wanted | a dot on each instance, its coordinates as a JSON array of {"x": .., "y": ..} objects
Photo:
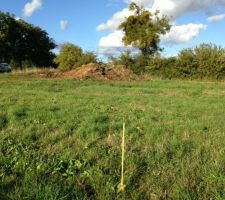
[
  {"x": 21, "y": 41},
  {"x": 143, "y": 29},
  {"x": 8, "y": 33}
]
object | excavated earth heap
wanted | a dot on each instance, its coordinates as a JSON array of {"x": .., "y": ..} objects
[{"x": 95, "y": 71}]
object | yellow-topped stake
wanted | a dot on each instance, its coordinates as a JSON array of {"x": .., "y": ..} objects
[{"x": 121, "y": 186}]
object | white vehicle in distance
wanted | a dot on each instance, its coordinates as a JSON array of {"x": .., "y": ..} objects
[{"x": 4, "y": 67}]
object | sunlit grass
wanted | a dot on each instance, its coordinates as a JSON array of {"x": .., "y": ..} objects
[{"x": 62, "y": 139}]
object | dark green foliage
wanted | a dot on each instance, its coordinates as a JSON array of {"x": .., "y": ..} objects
[
  {"x": 3, "y": 120},
  {"x": 136, "y": 63},
  {"x": 15, "y": 64},
  {"x": 125, "y": 58},
  {"x": 72, "y": 56},
  {"x": 162, "y": 67},
  {"x": 20, "y": 113},
  {"x": 22, "y": 44},
  {"x": 27, "y": 64},
  {"x": 141, "y": 62}
]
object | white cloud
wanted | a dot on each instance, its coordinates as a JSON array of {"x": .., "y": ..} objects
[
  {"x": 64, "y": 25},
  {"x": 115, "y": 21},
  {"x": 216, "y": 18},
  {"x": 112, "y": 40},
  {"x": 146, "y": 3},
  {"x": 112, "y": 43},
  {"x": 112, "y": 51},
  {"x": 177, "y": 8},
  {"x": 173, "y": 9},
  {"x": 31, "y": 7},
  {"x": 113, "y": 3},
  {"x": 182, "y": 34}
]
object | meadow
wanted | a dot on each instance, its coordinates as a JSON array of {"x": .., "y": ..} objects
[{"x": 61, "y": 139}]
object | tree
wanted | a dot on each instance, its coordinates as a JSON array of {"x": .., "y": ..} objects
[
  {"x": 143, "y": 29},
  {"x": 8, "y": 33},
  {"x": 35, "y": 44},
  {"x": 21, "y": 42},
  {"x": 72, "y": 56}
]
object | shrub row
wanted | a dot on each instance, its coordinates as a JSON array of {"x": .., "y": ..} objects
[{"x": 206, "y": 61}]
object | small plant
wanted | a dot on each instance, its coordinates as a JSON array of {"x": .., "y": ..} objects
[{"x": 3, "y": 121}]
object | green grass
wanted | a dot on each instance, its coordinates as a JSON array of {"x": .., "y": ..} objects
[{"x": 61, "y": 139}]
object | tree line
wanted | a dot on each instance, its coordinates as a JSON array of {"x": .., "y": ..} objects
[
  {"x": 205, "y": 61},
  {"x": 142, "y": 30},
  {"x": 23, "y": 44}
]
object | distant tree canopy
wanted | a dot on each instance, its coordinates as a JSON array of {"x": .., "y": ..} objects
[
  {"x": 72, "y": 56},
  {"x": 143, "y": 29},
  {"x": 22, "y": 43}
]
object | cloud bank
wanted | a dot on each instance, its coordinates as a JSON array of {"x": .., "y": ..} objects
[
  {"x": 216, "y": 18},
  {"x": 182, "y": 34},
  {"x": 177, "y": 8},
  {"x": 31, "y": 7}
]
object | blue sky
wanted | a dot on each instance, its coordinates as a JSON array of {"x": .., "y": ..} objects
[{"x": 92, "y": 24}]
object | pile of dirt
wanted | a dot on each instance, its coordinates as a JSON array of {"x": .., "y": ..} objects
[{"x": 95, "y": 71}]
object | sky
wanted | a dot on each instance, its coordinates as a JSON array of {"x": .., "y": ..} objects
[{"x": 92, "y": 24}]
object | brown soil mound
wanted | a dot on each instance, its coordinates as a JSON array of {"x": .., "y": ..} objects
[{"x": 94, "y": 71}]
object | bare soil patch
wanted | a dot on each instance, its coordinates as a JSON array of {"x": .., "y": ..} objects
[{"x": 95, "y": 71}]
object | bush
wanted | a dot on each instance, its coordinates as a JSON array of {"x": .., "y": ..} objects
[
  {"x": 162, "y": 67},
  {"x": 186, "y": 64},
  {"x": 87, "y": 57},
  {"x": 72, "y": 56},
  {"x": 125, "y": 59},
  {"x": 27, "y": 64},
  {"x": 22, "y": 65},
  {"x": 136, "y": 63},
  {"x": 15, "y": 64},
  {"x": 206, "y": 61},
  {"x": 203, "y": 61},
  {"x": 211, "y": 61}
]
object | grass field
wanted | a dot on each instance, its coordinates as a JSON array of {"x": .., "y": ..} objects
[{"x": 62, "y": 139}]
